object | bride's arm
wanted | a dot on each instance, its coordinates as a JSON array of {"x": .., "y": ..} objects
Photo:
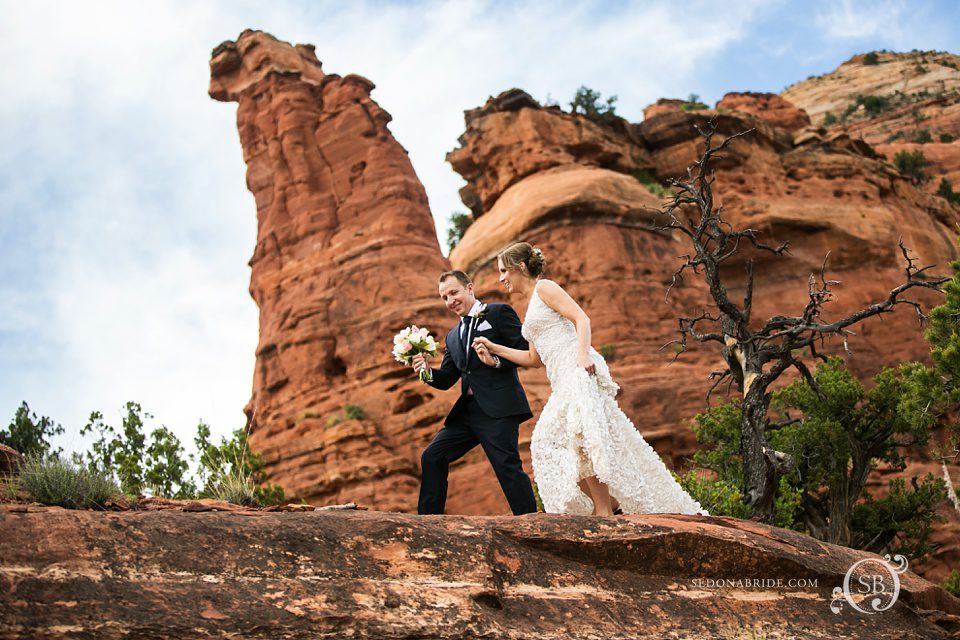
[
  {"x": 560, "y": 301},
  {"x": 520, "y": 357}
]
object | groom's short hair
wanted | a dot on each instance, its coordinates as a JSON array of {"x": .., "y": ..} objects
[{"x": 463, "y": 278}]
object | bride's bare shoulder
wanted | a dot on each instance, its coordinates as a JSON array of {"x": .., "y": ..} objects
[{"x": 548, "y": 288}]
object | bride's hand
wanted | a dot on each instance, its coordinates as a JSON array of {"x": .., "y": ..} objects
[
  {"x": 486, "y": 344},
  {"x": 586, "y": 362},
  {"x": 484, "y": 354}
]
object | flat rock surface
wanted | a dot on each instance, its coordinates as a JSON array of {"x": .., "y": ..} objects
[{"x": 339, "y": 574}]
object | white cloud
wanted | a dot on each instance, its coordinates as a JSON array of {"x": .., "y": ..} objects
[
  {"x": 897, "y": 24},
  {"x": 123, "y": 183}
]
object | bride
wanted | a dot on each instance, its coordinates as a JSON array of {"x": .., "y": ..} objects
[{"x": 582, "y": 442}]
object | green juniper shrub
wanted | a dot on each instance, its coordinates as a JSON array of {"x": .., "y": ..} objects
[
  {"x": 922, "y": 136},
  {"x": 836, "y": 440},
  {"x": 829, "y": 119},
  {"x": 911, "y": 164},
  {"x": 902, "y": 521},
  {"x": 946, "y": 137},
  {"x": 871, "y": 58},
  {"x": 952, "y": 583}
]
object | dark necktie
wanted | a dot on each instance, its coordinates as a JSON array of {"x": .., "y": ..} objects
[{"x": 465, "y": 334}]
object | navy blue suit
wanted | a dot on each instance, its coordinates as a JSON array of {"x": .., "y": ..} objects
[{"x": 489, "y": 416}]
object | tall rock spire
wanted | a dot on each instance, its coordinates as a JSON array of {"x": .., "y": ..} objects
[{"x": 346, "y": 256}]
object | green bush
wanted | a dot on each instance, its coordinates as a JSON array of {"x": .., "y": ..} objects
[
  {"x": 587, "y": 102},
  {"x": 125, "y": 461},
  {"x": 719, "y": 497},
  {"x": 829, "y": 119},
  {"x": 911, "y": 164},
  {"x": 29, "y": 434},
  {"x": 54, "y": 480},
  {"x": 693, "y": 103},
  {"x": 922, "y": 136},
  {"x": 945, "y": 191},
  {"x": 354, "y": 412},
  {"x": 536, "y": 496},
  {"x": 871, "y": 58},
  {"x": 901, "y": 521},
  {"x": 952, "y": 583},
  {"x": 946, "y": 137},
  {"x": 608, "y": 351},
  {"x": 873, "y": 105},
  {"x": 651, "y": 184}
]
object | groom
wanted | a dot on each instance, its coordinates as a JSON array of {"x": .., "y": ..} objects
[{"x": 491, "y": 405}]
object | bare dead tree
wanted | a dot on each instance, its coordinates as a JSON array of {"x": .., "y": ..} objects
[{"x": 756, "y": 358}]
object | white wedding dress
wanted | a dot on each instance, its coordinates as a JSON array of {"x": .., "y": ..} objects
[{"x": 582, "y": 432}]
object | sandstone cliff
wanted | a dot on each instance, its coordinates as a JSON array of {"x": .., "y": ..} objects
[
  {"x": 252, "y": 574},
  {"x": 912, "y": 93}
]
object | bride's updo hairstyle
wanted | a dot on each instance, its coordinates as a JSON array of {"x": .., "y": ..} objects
[{"x": 526, "y": 254}]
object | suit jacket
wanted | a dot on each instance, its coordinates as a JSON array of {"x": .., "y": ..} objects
[{"x": 497, "y": 391}]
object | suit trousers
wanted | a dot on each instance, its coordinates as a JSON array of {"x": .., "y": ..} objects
[{"x": 467, "y": 428}]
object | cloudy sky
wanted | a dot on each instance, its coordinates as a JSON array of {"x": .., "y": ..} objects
[{"x": 124, "y": 217}]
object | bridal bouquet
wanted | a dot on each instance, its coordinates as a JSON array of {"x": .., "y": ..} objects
[{"x": 410, "y": 342}]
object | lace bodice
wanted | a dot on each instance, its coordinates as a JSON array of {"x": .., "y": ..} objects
[{"x": 555, "y": 339}]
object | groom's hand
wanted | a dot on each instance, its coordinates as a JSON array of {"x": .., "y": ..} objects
[{"x": 419, "y": 362}]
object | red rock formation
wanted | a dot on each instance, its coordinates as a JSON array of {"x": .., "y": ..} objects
[
  {"x": 507, "y": 144},
  {"x": 171, "y": 574},
  {"x": 10, "y": 461},
  {"x": 346, "y": 256},
  {"x": 825, "y": 193},
  {"x": 663, "y": 105},
  {"x": 768, "y": 107}
]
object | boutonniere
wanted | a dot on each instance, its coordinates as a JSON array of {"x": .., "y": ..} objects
[{"x": 481, "y": 313}]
